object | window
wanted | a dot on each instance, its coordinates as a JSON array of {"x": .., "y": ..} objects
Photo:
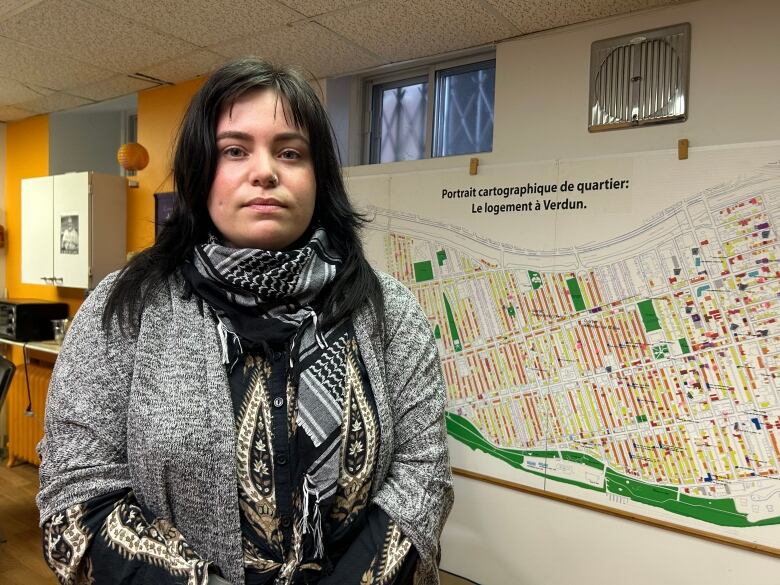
[
  {"x": 129, "y": 134},
  {"x": 407, "y": 123},
  {"x": 399, "y": 111},
  {"x": 464, "y": 109}
]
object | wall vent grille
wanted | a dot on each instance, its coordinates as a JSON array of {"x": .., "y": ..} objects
[{"x": 640, "y": 79}]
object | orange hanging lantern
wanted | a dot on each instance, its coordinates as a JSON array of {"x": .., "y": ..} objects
[{"x": 132, "y": 156}]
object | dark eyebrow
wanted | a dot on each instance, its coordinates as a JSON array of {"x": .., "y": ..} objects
[
  {"x": 233, "y": 134},
  {"x": 246, "y": 137},
  {"x": 291, "y": 136}
]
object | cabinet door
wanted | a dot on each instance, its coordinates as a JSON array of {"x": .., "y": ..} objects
[
  {"x": 71, "y": 230},
  {"x": 37, "y": 242}
]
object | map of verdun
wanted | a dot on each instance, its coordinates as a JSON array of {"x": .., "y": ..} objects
[{"x": 637, "y": 368}]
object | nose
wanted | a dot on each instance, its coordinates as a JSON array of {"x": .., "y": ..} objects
[{"x": 263, "y": 171}]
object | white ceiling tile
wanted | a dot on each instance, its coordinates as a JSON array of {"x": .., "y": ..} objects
[
  {"x": 317, "y": 7},
  {"x": 111, "y": 88},
  {"x": 10, "y": 7},
  {"x": 317, "y": 52},
  {"x": 406, "y": 29},
  {"x": 11, "y": 113},
  {"x": 12, "y": 91},
  {"x": 54, "y": 103},
  {"x": 204, "y": 22},
  {"x": 187, "y": 67},
  {"x": 86, "y": 48},
  {"x": 33, "y": 66},
  {"x": 90, "y": 34},
  {"x": 534, "y": 15}
]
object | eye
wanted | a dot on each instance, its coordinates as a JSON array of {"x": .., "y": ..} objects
[
  {"x": 233, "y": 152},
  {"x": 290, "y": 154}
]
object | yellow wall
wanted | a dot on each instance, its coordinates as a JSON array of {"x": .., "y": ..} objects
[
  {"x": 27, "y": 155},
  {"x": 159, "y": 113}
]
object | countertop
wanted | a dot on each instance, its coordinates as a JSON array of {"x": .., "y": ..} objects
[{"x": 49, "y": 346}]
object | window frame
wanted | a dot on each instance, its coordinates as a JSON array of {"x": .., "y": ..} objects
[
  {"x": 438, "y": 107},
  {"x": 406, "y": 76},
  {"x": 129, "y": 133},
  {"x": 374, "y": 141}
]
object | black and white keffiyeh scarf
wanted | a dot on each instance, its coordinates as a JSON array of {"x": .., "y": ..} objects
[
  {"x": 263, "y": 298},
  {"x": 269, "y": 300}
]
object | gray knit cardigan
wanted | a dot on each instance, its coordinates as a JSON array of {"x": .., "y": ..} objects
[{"x": 153, "y": 413}]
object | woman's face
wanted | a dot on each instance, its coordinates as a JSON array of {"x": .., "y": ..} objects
[{"x": 264, "y": 186}]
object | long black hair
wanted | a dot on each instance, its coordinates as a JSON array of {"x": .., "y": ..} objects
[{"x": 194, "y": 167}]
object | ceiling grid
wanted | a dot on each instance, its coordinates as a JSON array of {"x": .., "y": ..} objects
[{"x": 59, "y": 54}]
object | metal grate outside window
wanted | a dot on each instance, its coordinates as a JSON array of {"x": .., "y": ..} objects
[
  {"x": 464, "y": 109},
  {"x": 439, "y": 110},
  {"x": 640, "y": 79},
  {"x": 399, "y": 111}
]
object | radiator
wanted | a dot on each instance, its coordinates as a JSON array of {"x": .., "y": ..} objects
[{"x": 24, "y": 431}]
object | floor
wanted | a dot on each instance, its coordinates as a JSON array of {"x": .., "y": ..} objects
[
  {"x": 21, "y": 562},
  {"x": 450, "y": 579}
]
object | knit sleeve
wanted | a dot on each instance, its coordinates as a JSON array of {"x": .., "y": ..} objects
[
  {"x": 83, "y": 451},
  {"x": 417, "y": 491},
  {"x": 90, "y": 517}
]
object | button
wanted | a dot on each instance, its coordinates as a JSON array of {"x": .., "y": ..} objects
[
  {"x": 286, "y": 521},
  {"x": 277, "y": 355},
  {"x": 278, "y": 402},
  {"x": 281, "y": 459}
]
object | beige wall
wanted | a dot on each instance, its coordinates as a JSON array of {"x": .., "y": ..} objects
[
  {"x": 542, "y": 84},
  {"x": 498, "y": 536}
]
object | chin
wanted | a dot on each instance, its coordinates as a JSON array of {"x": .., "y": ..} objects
[
  {"x": 272, "y": 244},
  {"x": 273, "y": 241}
]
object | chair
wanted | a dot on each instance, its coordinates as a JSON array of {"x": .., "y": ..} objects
[{"x": 7, "y": 369}]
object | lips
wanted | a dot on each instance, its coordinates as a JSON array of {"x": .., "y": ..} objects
[
  {"x": 265, "y": 205},
  {"x": 264, "y": 202}
]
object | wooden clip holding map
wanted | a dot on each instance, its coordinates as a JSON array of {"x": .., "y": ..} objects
[{"x": 682, "y": 149}]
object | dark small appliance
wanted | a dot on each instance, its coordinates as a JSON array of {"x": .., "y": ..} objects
[{"x": 29, "y": 319}]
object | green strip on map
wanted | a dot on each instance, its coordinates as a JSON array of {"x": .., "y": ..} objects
[
  {"x": 576, "y": 294},
  {"x": 441, "y": 256},
  {"x": 641, "y": 418},
  {"x": 437, "y": 332},
  {"x": 453, "y": 329},
  {"x": 511, "y": 311},
  {"x": 583, "y": 458},
  {"x": 719, "y": 511},
  {"x": 684, "y": 347},
  {"x": 423, "y": 271},
  {"x": 535, "y": 278},
  {"x": 649, "y": 316}
]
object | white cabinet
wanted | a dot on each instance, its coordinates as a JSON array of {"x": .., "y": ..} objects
[{"x": 73, "y": 228}]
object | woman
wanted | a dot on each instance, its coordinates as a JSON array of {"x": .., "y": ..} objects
[{"x": 247, "y": 400}]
